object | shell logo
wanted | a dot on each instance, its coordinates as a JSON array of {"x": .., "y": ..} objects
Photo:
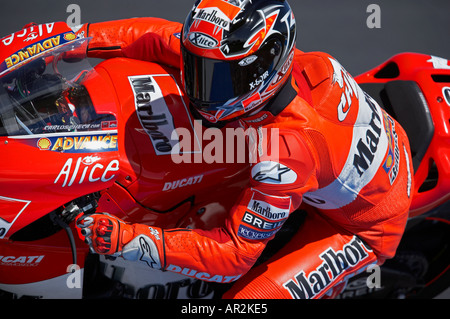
[
  {"x": 44, "y": 143},
  {"x": 389, "y": 161},
  {"x": 69, "y": 36}
]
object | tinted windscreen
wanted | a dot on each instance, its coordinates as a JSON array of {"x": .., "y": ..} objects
[{"x": 46, "y": 96}]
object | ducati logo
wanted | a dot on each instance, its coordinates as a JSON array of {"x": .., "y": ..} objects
[{"x": 202, "y": 40}]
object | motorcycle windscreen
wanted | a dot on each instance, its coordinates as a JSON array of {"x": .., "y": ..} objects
[{"x": 46, "y": 95}]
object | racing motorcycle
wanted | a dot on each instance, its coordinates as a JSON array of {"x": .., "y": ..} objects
[{"x": 76, "y": 139}]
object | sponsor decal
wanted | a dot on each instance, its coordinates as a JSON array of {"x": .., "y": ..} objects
[
  {"x": 29, "y": 34},
  {"x": 366, "y": 155},
  {"x": 349, "y": 89},
  {"x": 29, "y": 52},
  {"x": 69, "y": 36},
  {"x": 107, "y": 125},
  {"x": 34, "y": 50},
  {"x": 277, "y": 209},
  {"x": 286, "y": 66},
  {"x": 153, "y": 113},
  {"x": 44, "y": 143},
  {"x": 253, "y": 234},
  {"x": 265, "y": 215},
  {"x": 273, "y": 173},
  {"x": 202, "y": 275},
  {"x": 74, "y": 127},
  {"x": 183, "y": 182},
  {"x": 284, "y": 69},
  {"x": 21, "y": 261},
  {"x": 334, "y": 265},
  {"x": 368, "y": 146},
  {"x": 391, "y": 164},
  {"x": 202, "y": 40},
  {"x": 220, "y": 14},
  {"x": 84, "y": 170},
  {"x": 408, "y": 169},
  {"x": 260, "y": 223},
  {"x": 248, "y": 60},
  {"x": 79, "y": 143},
  {"x": 214, "y": 16},
  {"x": 251, "y": 102}
]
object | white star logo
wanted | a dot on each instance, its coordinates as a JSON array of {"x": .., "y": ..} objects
[{"x": 273, "y": 173}]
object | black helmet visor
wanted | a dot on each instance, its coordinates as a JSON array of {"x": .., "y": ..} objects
[{"x": 218, "y": 81}]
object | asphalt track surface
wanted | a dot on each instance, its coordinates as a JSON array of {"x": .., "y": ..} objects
[{"x": 338, "y": 27}]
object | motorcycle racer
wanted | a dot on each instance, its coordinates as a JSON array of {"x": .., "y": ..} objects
[{"x": 338, "y": 152}]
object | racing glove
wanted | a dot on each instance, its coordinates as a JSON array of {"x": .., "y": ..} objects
[{"x": 108, "y": 235}]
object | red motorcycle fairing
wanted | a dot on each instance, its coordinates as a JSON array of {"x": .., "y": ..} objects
[
  {"x": 124, "y": 153},
  {"x": 415, "y": 88},
  {"x": 23, "y": 262},
  {"x": 42, "y": 172},
  {"x": 152, "y": 186},
  {"x": 57, "y": 146}
]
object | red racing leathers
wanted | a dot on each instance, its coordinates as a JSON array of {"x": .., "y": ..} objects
[{"x": 338, "y": 152}]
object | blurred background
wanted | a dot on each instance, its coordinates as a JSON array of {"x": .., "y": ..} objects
[{"x": 338, "y": 27}]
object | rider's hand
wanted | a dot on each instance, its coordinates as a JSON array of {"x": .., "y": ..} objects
[
  {"x": 105, "y": 234},
  {"x": 109, "y": 235}
]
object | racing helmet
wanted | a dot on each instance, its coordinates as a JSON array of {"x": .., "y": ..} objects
[{"x": 236, "y": 55}]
